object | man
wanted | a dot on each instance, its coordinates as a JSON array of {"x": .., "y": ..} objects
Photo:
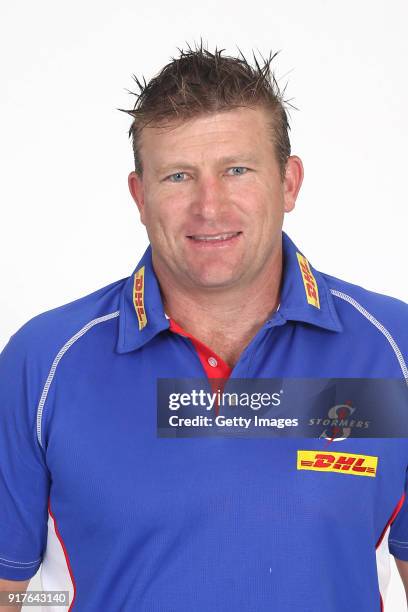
[{"x": 127, "y": 520}]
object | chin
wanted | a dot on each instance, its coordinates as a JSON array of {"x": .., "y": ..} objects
[{"x": 213, "y": 281}]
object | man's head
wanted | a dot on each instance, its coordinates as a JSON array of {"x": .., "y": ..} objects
[{"x": 212, "y": 156}]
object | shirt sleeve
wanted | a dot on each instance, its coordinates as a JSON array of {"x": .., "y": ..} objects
[{"x": 24, "y": 476}]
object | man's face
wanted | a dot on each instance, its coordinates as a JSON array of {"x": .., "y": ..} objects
[{"x": 209, "y": 178}]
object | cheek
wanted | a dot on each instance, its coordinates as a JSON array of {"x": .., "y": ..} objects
[
  {"x": 263, "y": 209},
  {"x": 261, "y": 195},
  {"x": 163, "y": 216}
]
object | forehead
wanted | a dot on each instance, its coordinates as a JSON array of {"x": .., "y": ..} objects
[{"x": 232, "y": 131}]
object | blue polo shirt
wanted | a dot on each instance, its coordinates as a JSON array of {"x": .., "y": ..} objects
[{"x": 126, "y": 520}]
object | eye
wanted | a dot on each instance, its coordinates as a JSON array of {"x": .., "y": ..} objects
[
  {"x": 174, "y": 178},
  {"x": 242, "y": 170}
]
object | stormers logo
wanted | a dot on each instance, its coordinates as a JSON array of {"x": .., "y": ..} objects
[
  {"x": 338, "y": 423},
  {"x": 138, "y": 297},
  {"x": 312, "y": 292},
  {"x": 346, "y": 463}
]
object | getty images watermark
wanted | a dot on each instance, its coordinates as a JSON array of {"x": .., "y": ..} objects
[
  {"x": 211, "y": 401},
  {"x": 287, "y": 407}
]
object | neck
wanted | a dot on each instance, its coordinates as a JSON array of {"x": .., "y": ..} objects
[{"x": 225, "y": 318}]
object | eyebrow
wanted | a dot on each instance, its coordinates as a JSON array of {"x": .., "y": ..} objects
[{"x": 230, "y": 159}]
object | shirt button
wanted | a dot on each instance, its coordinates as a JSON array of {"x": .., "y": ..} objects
[{"x": 213, "y": 362}]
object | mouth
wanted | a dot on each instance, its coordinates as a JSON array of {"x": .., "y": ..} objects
[{"x": 209, "y": 240}]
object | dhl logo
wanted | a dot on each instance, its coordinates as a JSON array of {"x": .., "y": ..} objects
[
  {"x": 138, "y": 297},
  {"x": 346, "y": 463},
  {"x": 309, "y": 281}
]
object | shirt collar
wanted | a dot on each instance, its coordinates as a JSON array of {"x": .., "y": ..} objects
[{"x": 305, "y": 297}]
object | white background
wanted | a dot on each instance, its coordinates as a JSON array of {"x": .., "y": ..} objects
[{"x": 68, "y": 224}]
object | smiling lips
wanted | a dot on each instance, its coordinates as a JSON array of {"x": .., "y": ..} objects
[{"x": 215, "y": 238}]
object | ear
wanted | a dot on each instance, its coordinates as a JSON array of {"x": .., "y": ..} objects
[
  {"x": 292, "y": 181},
  {"x": 135, "y": 183}
]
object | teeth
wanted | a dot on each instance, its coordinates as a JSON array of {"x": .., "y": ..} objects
[{"x": 218, "y": 237}]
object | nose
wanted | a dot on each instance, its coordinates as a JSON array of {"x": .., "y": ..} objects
[{"x": 209, "y": 199}]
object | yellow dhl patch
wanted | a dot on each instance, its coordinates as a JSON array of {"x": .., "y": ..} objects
[
  {"x": 346, "y": 463},
  {"x": 138, "y": 297},
  {"x": 309, "y": 281}
]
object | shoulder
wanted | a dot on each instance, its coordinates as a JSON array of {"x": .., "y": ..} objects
[
  {"x": 32, "y": 354},
  {"x": 42, "y": 336},
  {"x": 360, "y": 297},
  {"x": 357, "y": 305}
]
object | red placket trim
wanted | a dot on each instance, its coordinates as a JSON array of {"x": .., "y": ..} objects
[{"x": 221, "y": 370}]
